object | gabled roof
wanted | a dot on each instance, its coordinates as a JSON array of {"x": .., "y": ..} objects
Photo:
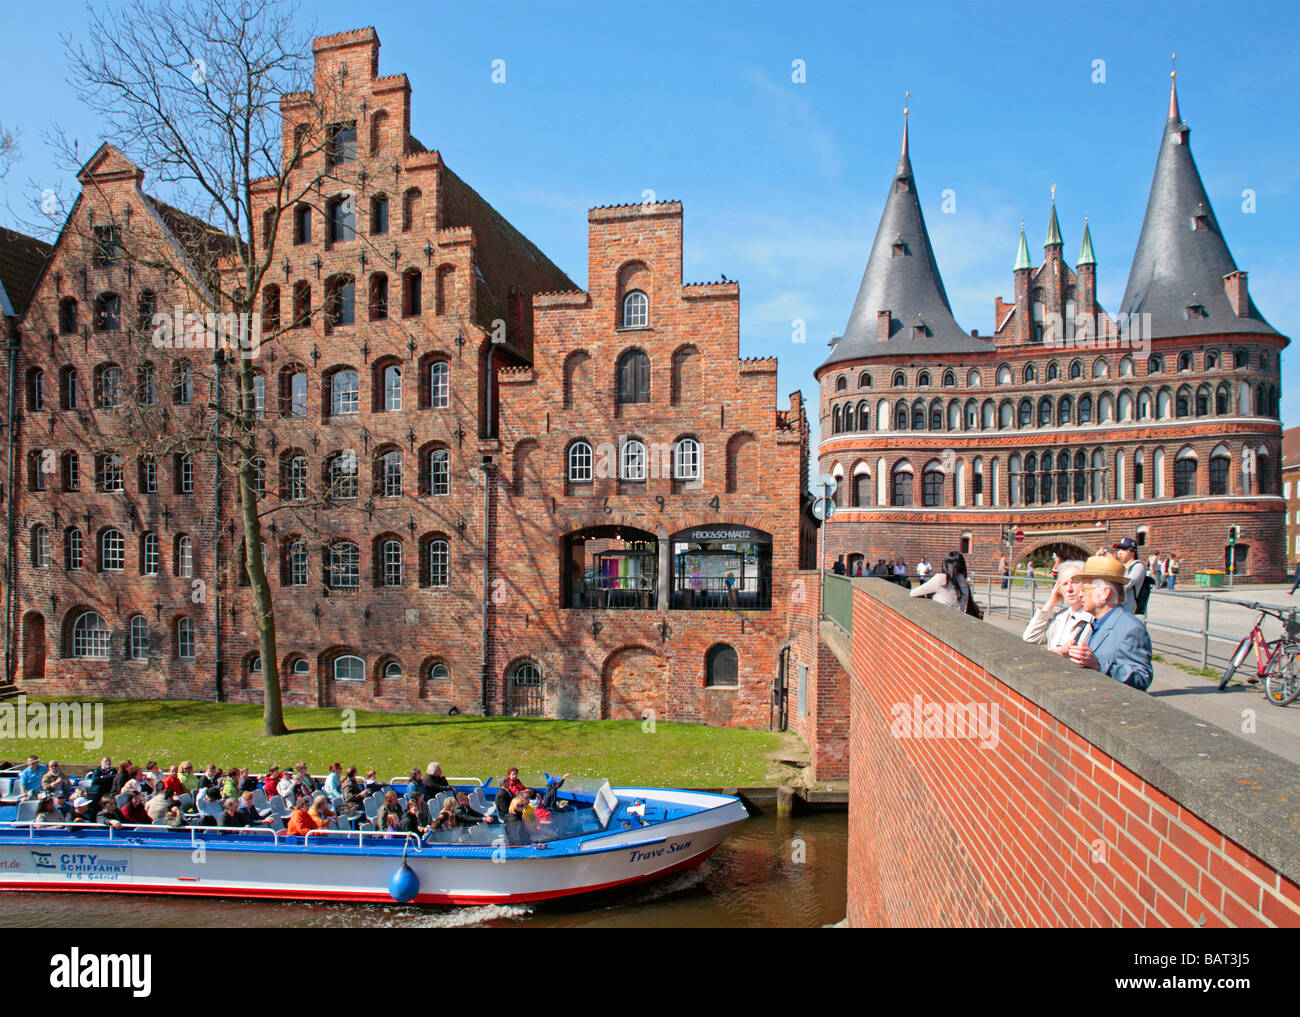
[
  {"x": 902, "y": 278},
  {"x": 1176, "y": 266},
  {"x": 21, "y": 260}
]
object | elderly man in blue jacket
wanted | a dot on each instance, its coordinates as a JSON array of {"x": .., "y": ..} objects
[{"x": 1117, "y": 644}]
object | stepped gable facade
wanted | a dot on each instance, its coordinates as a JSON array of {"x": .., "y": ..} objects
[
  {"x": 1159, "y": 422},
  {"x": 433, "y": 536},
  {"x": 651, "y": 486}
]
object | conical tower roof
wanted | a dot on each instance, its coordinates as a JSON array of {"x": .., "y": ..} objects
[
  {"x": 1022, "y": 253},
  {"x": 1086, "y": 257},
  {"x": 903, "y": 279},
  {"x": 1053, "y": 229},
  {"x": 1181, "y": 255}
]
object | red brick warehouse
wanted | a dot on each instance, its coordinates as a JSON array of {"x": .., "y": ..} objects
[
  {"x": 653, "y": 577},
  {"x": 1163, "y": 425}
]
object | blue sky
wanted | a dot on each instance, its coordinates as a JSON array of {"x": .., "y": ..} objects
[{"x": 783, "y": 182}]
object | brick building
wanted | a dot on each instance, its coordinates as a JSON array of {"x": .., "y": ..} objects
[
  {"x": 1291, "y": 492},
  {"x": 430, "y": 537},
  {"x": 1160, "y": 422}
]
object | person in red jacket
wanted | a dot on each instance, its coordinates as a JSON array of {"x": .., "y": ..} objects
[
  {"x": 270, "y": 783},
  {"x": 172, "y": 782},
  {"x": 301, "y": 821}
]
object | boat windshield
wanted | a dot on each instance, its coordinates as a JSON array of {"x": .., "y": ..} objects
[{"x": 583, "y": 805}]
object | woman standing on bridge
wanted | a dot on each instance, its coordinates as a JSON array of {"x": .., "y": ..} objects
[{"x": 949, "y": 585}]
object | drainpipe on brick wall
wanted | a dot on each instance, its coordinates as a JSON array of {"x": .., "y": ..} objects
[
  {"x": 9, "y": 514},
  {"x": 485, "y": 466},
  {"x": 216, "y": 539}
]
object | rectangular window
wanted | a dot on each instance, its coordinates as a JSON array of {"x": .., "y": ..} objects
[
  {"x": 110, "y": 472},
  {"x": 341, "y": 144},
  {"x": 108, "y": 245},
  {"x": 185, "y": 639},
  {"x": 149, "y": 566},
  {"x": 298, "y": 564},
  {"x": 148, "y": 475}
]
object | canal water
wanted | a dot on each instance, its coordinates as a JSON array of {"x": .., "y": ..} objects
[{"x": 770, "y": 873}]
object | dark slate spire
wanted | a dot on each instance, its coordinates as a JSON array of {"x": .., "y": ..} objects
[
  {"x": 1178, "y": 270},
  {"x": 903, "y": 279}
]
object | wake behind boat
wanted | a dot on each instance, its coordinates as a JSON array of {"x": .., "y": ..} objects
[{"x": 597, "y": 840}]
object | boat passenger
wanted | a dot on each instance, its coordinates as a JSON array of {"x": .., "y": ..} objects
[
  {"x": 81, "y": 810},
  {"x": 134, "y": 810},
  {"x": 350, "y": 789},
  {"x": 172, "y": 782},
  {"x": 55, "y": 782},
  {"x": 230, "y": 784},
  {"x": 334, "y": 782},
  {"x": 286, "y": 786},
  {"x": 466, "y": 815},
  {"x": 233, "y": 816},
  {"x": 254, "y": 814},
  {"x": 301, "y": 821},
  {"x": 47, "y": 813},
  {"x": 124, "y": 773},
  {"x": 248, "y": 782},
  {"x": 211, "y": 777},
  {"x": 552, "y": 792},
  {"x": 434, "y": 782},
  {"x": 271, "y": 782},
  {"x": 417, "y": 797},
  {"x": 446, "y": 816},
  {"x": 187, "y": 778},
  {"x": 374, "y": 785},
  {"x": 392, "y": 807},
  {"x": 321, "y": 812},
  {"x": 306, "y": 784},
  {"x": 101, "y": 779},
  {"x": 29, "y": 780},
  {"x": 160, "y": 805},
  {"x": 109, "y": 813},
  {"x": 512, "y": 783},
  {"x": 412, "y": 822},
  {"x": 151, "y": 777}
]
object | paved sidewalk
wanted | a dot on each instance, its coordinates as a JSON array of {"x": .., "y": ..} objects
[{"x": 1236, "y": 709}]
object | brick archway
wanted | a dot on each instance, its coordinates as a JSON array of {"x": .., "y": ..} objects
[{"x": 1068, "y": 549}]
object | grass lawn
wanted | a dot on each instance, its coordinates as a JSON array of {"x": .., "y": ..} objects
[{"x": 673, "y": 755}]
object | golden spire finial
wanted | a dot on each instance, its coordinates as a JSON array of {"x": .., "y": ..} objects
[
  {"x": 1173, "y": 65},
  {"x": 906, "y": 95}
]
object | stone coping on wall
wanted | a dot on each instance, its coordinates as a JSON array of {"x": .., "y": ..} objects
[{"x": 1249, "y": 795}]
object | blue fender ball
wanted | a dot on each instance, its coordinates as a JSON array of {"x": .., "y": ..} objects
[{"x": 403, "y": 885}]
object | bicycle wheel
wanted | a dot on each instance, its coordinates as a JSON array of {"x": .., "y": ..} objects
[
  {"x": 1238, "y": 656},
  {"x": 1282, "y": 681}
]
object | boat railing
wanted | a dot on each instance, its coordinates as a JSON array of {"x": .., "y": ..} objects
[
  {"x": 453, "y": 781},
  {"x": 412, "y": 841}
]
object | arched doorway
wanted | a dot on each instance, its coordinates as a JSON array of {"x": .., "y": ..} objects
[{"x": 1041, "y": 556}]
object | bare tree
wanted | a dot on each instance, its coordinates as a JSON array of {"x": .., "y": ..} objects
[
  {"x": 204, "y": 96},
  {"x": 8, "y": 149}
]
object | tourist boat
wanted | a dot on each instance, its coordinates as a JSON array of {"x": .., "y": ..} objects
[{"x": 597, "y": 840}]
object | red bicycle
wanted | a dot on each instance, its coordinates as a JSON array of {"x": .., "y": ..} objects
[{"x": 1277, "y": 661}]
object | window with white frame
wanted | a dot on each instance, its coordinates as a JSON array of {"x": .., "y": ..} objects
[
  {"x": 90, "y": 636},
  {"x": 632, "y": 460},
  {"x": 344, "y": 566},
  {"x": 686, "y": 460},
  {"x": 439, "y": 563},
  {"x": 184, "y": 639},
  {"x": 149, "y": 555},
  {"x": 345, "y": 393},
  {"x": 392, "y": 563},
  {"x": 439, "y": 384},
  {"x": 440, "y": 471},
  {"x": 112, "y": 552},
  {"x": 137, "y": 639},
  {"x": 580, "y": 462}
]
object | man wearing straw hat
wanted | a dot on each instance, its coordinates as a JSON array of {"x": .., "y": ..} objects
[{"x": 1118, "y": 644}]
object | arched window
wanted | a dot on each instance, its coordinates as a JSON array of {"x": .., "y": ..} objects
[
  {"x": 388, "y": 474},
  {"x": 345, "y": 393},
  {"x": 340, "y": 301},
  {"x": 722, "y": 667},
  {"x": 949, "y": 378},
  {"x": 1126, "y": 367},
  {"x": 300, "y": 668},
  {"x": 1053, "y": 371},
  {"x": 901, "y": 484},
  {"x": 1045, "y": 412},
  {"x": 388, "y": 387},
  {"x": 1013, "y": 479},
  {"x": 390, "y": 563},
  {"x": 1155, "y": 364},
  {"x": 1029, "y": 374},
  {"x": 378, "y": 132},
  {"x": 1025, "y": 414},
  {"x": 349, "y": 668},
  {"x": 295, "y": 563},
  {"x": 899, "y": 380},
  {"x": 864, "y": 380},
  {"x": 901, "y": 416},
  {"x": 636, "y": 310},
  {"x": 439, "y": 384},
  {"x": 293, "y": 477},
  {"x": 1100, "y": 369},
  {"x": 1031, "y": 478},
  {"x": 1085, "y": 409},
  {"x": 184, "y": 639},
  {"x": 340, "y": 219},
  {"x": 35, "y": 390},
  {"x": 379, "y": 215},
  {"x": 438, "y": 466},
  {"x": 393, "y": 669},
  {"x": 302, "y": 304},
  {"x": 1184, "y": 361},
  {"x": 137, "y": 638},
  {"x": 90, "y": 637},
  {"x": 343, "y": 566},
  {"x": 936, "y": 415},
  {"x": 67, "y": 316},
  {"x": 1211, "y": 360},
  {"x": 634, "y": 377},
  {"x": 632, "y": 465},
  {"x": 837, "y": 420},
  {"x": 923, "y": 379},
  {"x": 439, "y": 672},
  {"x": 341, "y": 475},
  {"x": 149, "y": 554},
  {"x": 412, "y": 293},
  {"x": 974, "y": 379},
  {"x": 108, "y": 386},
  {"x": 377, "y": 302},
  {"x": 1220, "y": 465},
  {"x": 849, "y": 419},
  {"x": 686, "y": 460},
  {"x": 1006, "y": 414},
  {"x": 932, "y": 485},
  {"x": 861, "y": 491},
  {"x": 72, "y": 549},
  {"x": 918, "y": 416},
  {"x": 864, "y": 416},
  {"x": 437, "y": 563},
  {"x": 580, "y": 462},
  {"x": 1183, "y": 402},
  {"x": 112, "y": 551},
  {"x": 1004, "y": 375},
  {"x": 183, "y": 557},
  {"x": 108, "y": 312},
  {"x": 1064, "y": 412},
  {"x": 40, "y": 546},
  {"x": 1185, "y": 474},
  {"x": 1076, "y": 370}
]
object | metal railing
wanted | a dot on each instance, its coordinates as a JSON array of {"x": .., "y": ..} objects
[{"x": 203, "y": 833}]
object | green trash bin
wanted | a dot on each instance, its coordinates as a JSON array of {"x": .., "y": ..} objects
[{"x": 1211, "y": 578}]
